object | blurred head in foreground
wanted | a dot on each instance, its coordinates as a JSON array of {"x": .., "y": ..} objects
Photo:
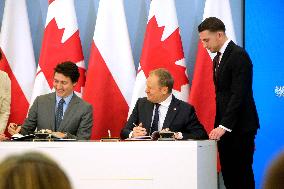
[
  {"x": 32, "y": 171},
  {"x": 274, "y": 178}
]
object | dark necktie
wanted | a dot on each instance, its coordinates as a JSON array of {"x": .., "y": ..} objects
[
  {"x": 155, "y": 122},
  {"x": 59, "y": 114},
  {"x": 216, "y": 61}
]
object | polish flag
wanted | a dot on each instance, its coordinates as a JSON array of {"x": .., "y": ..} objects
[
  {"x": 61, "y": 42},
  {"x": 202, "y": 93},
  {"x": 111, "y": 71},
  {"x": 17, "y": 57},
  {"x": 162, "y": 48}
]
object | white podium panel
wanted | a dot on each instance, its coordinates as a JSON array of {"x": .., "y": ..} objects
[{"x": 130, "y": 165}]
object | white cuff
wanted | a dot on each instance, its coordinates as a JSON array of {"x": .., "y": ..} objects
[
  {"x": 221, "y": 126},
  {"x": 130, "y": 134}
]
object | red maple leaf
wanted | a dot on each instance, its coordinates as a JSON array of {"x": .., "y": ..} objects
[
  {"x": 50, "y": 1},
  {"x": 54, "y": 52},
  {"x": 163, "y": 54}
]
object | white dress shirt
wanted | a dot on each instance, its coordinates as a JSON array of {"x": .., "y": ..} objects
[
  {"x": 163, "y": 109},
  {"x": 65, "y": 104}
]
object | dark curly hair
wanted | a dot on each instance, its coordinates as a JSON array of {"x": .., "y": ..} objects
[{"x": 68, "y": 69}]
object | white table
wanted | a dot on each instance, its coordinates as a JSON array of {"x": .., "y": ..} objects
[{"x": 130, "y": 165}]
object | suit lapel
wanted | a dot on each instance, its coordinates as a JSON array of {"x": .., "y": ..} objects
[
  {"x": 225, "y": 57},
  {"x": 148, "y": 115},
  {"x": 171, "y": 114},
  {"x": 51, "y": 105}
]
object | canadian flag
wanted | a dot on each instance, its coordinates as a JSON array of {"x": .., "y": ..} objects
[
  {"x": 162, "y": 48},
  {"x": 202, "y": 93},
  {"x": 18, "y": 57},
  {"x": 61, "y": 42},
  {"x": 111, "y": 71}
]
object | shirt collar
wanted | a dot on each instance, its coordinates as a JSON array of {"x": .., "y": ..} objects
[
  {"x": 167, "y": 102},
  {"x": 66, "y": 99},
  {"x": 223, "y": 48}
]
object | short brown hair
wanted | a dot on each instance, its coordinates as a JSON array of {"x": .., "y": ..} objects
[
  {"x": 212, "y": 24},
  {"x": 32, "y": 171},
  {"x": 165, "y": 78}
]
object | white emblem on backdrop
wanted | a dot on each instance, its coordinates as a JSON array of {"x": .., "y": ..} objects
[{"x": 279, "y": 91}]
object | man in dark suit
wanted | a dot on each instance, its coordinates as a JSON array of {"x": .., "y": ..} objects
[
  {"x": 62, "y": 112},
  {"x": 236, "y": 120},
  {"x": 161, "y": 110}
]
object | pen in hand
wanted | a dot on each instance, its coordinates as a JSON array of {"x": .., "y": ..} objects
[
  {"x": 138, "y": 130},
  {"x": 14, "y": 128},
  {"x": 140, "y": 125}
]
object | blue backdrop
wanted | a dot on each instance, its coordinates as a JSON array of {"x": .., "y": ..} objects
[{"x": 264, "y": 28}]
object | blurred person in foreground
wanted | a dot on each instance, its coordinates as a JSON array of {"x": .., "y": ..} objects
[
  {"x": 274, "y": 176},
  {"x": 61, "y": 112},
  {"x": 32, "y": 171},
  {"x": 161, "y": 110},
  {"x": 236, "y": 119}
]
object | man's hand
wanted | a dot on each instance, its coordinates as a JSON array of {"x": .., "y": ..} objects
[
  {"x": 139, "y": 131},
  {"x": 178, "y": 135},
  {"x": 13, "y": 128},
  {"x": 216, "y": 133},
  {"x": 59, "y": 134}
]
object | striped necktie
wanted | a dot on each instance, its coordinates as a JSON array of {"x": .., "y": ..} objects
[{"x": 59, "y": 114}]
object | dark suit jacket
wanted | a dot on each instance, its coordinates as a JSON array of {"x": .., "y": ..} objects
[
  {"x": 234, "y": 97},
  {"x": 180, "y": 117},
  {"x": 77, "y": 121}
]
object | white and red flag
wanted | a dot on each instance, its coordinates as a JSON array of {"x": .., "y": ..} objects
[
  {"x": 202, "y": 93},
  {"x": 111, "y": 71},
  {"x": 61, "y": 42},
  {"x": 162, "y": 48},
  {"x": 18, "y": 57}
]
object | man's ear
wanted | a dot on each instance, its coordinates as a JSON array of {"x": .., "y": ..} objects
[
  {"x": 74, "y": 84},
  {"x": 220, "y": 34},
  {"x": 165, "y": 90}
]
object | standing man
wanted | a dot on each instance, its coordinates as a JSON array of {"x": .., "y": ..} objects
[
  {"x": 236, "y": 120},
  {"x": 5, "y": 100},
  {"x": 162, "y": 110},
  {"x": 62, "y": 112}
]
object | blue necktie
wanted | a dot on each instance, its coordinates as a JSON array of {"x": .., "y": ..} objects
[
  {"x": 155, "y": 122},
  {"x": 59, "y": 114}
]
